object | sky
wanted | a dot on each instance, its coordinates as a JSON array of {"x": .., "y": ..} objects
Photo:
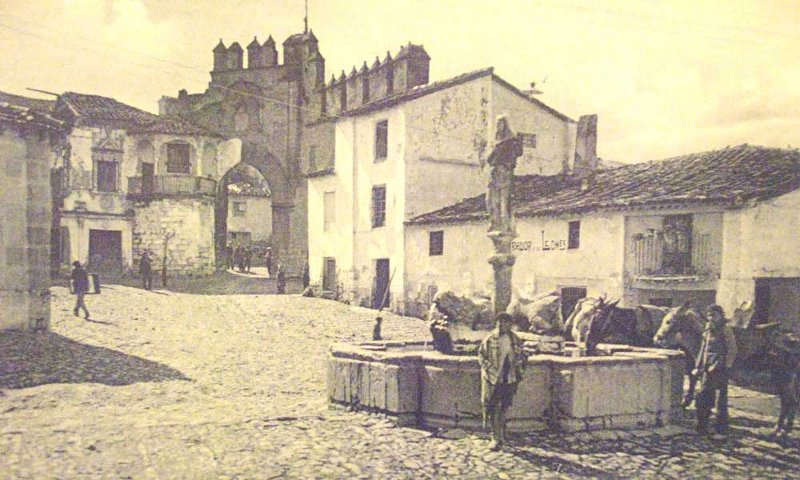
[{"x": 665, "y": 77}]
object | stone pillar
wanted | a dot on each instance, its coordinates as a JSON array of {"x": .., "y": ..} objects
[{"x": 503, "y": 159}]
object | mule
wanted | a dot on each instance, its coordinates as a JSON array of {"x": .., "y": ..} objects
[
  {"x": 682, "y": 328},
  {"x": 540, "y": 315},
  {"x": 770, "y": 348},
  {"x": 628, "y": 326}
]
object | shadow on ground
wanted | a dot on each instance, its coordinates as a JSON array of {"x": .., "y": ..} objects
[{"x": 29, "y": 359}]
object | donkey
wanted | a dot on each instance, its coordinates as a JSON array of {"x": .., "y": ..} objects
[
  {"x": 628, "y": 326},
  {"x": 682, "y": 328},
  {"x": 540, "y": 315}
]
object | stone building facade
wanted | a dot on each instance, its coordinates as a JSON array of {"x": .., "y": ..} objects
[
  {"x": 402, "y": 147},
  {"x": 270, "y": 106},
  {"x": 30, "y": 143},
  {"x": 131, "y": 181}
]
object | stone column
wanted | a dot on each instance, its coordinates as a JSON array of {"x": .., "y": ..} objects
[{"x": 503, "y": 159}]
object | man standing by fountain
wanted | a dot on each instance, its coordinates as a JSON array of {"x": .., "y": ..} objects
[{"x": 502, "y": 362}]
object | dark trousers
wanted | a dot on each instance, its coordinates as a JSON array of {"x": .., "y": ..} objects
[
  {"x": 147, "y": 281},
  {"x": 714, "y": 389},
  {"x": 80, "y": 303}
]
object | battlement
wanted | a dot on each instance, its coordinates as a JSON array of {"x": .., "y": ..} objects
[
  {"x": 394, "y": 75},
  {"x": 296, "y": 49}
]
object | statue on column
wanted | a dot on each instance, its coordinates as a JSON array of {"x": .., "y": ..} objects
[{"x": 502, "y": 160}]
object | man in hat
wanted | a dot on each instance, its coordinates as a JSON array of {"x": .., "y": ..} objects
[
  {"x": 80, "y": 285},
  {"x": 502, "y": 362},
  {"x": 146, "y": 271},
  {"x": 714, "y": 361}
]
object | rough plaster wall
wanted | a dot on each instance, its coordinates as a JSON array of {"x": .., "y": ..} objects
[
  {"x": 758, "y": 242},
  {"x": 80, "y": 226},
  {"x": 191, "y": 250},
  {"x": 370, "y": 243},
  {"x": 444, "y": 131},
  {"x": 555, "y": 138},
  {"x": 338, "y": 242},
  {"x": 464, "y": 267},
  {"x": 323, "y": 138},
  {"x": 257, "y": 219},
  {"x": 81, "y": 183},
  {"x": 24, "y": 230}
]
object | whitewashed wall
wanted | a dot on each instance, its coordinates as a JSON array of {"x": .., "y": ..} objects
[
  {"x": 758, "y": 242},
  {"x": 555, "y": 137},
  {"x": 543, "y": 262}
]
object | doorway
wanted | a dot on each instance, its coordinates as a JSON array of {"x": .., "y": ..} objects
[
  {"x": 380, "y": 296},
  {"x": 148, "y": 178},
  {"x": 329, "y": 275},
  {"x": 569, "y": 298},
  {"x": 777, "y": 300},
  {"x": 105, "y": 251}
]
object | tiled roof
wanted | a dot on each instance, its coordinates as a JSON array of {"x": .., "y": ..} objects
[
  {"x": 32, "y": 103},
  {"x": 727, "y": 178},
  {"x": 26, "y": 116},
  {"x": 173, "y": 125},
  {"x": 95, "y": 110}
]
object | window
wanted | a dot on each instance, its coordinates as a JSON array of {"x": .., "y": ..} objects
[
  {"x": 378, "y": 206},
  {"x": 528, "y": 140},
  {"x": 343, "y": 96},
  {"x": 381, "y": 140},
  {"x": 365, "y": 89},
  {"x": 312, "y": 158},
  {"x": 436, "y": 243},
  {"x": 106, "y": 169},
  {"x": 107, "y": 176},
  {"x": 239, "y": 209},
  {"x": 574, "y": 239},
  {"x": 329, "y": 207},
  {"x": 178, "y": 158}
]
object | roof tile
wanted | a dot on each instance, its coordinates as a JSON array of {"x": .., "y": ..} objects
[{"x": 726, "y": 177}]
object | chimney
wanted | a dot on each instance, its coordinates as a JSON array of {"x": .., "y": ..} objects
[{"x": 586, "y": 146}]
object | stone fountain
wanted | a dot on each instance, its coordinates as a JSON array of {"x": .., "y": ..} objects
[{"x": 419, "y": 385}]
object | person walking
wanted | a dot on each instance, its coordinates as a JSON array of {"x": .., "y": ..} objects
[
  {"x": 146, "y": 271},
  {"x": 80, "y": 286},
  {"x": 714, "y": 361},
  {"x": 248, "y": 258},
  {"x": 281, "y": 280},
  {"x": 268, "y": 258},
  {"x": 229, "y": 255},
  {"x": 502, "y": 363}
]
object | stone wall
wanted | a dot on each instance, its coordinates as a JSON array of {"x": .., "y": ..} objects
[
  {"x": 25, "y": 159},
  {"x": 631, "y": 388},
  {"x": 191, "y": 250}
]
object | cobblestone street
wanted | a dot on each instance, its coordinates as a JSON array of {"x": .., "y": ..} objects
[{"x": 168, "y": 385}]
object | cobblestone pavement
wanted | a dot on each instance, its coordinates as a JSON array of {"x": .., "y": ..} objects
[{"x": 168, "y": 385}]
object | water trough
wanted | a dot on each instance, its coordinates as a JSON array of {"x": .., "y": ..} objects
[{"x": 624, "y": 387}]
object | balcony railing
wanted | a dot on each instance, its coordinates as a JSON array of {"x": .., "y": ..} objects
[
  {"x": 652, "y": 258},
  {"x": 171, "y": 185}
]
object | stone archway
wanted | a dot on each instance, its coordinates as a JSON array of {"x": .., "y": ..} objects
[{"x": 280, "y": 236}]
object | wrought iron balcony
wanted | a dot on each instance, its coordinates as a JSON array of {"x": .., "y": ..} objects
[
  {"x": 167, "y": 185},
  {"x": 655, "y": 257}
]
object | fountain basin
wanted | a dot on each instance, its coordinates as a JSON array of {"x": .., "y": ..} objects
[{"x": 626, "y": 387}]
